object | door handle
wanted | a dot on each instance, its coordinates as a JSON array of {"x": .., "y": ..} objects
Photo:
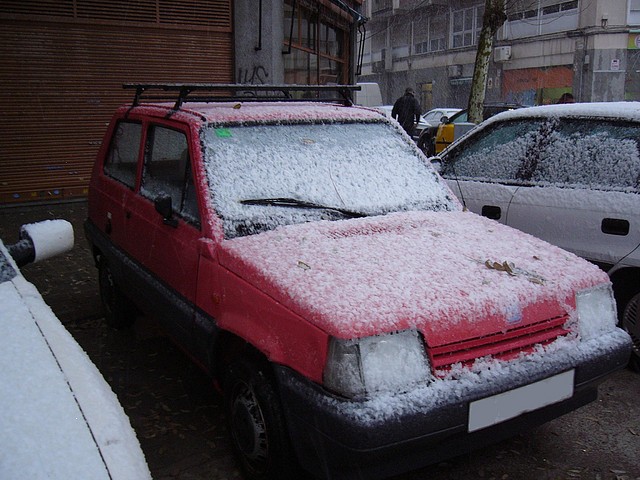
[
  {"x": 615, "y": 226},
  {"x": 492, "y": 212}
]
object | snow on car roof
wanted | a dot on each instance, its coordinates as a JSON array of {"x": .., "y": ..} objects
[
  {"x": 624, "y": 110},
  {"x": 261, "y": 112}
]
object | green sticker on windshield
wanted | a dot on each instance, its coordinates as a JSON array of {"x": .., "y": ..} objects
[{"x": 223, "y": 133}]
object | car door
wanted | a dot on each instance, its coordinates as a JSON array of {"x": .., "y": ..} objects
[
  {"x": 164, "y": 228},
  {"x": 482, "y": 170},
  {"x": 582, "y": 195}
]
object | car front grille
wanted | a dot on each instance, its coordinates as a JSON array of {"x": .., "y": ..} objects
[{"x": 503, "y": 345}]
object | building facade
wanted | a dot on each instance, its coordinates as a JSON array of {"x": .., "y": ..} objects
[
  {"x": 64, "y": 64},
  {"x": 590, "y": 48}
]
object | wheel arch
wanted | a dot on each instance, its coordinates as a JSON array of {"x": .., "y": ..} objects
[
  {"x": 228, "y": 348},
  {"x": 626, "y": 283}
]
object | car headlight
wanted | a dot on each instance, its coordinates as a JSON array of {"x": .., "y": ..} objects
[
  {"x": 383, "y": 363},
  {"x": 596, "y": 310}
]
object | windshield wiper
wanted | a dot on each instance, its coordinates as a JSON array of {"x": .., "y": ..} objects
[{"x": 295, "y": 203}]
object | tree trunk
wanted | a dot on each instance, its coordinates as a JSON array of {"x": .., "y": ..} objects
[{"x": 493, "y": 18}]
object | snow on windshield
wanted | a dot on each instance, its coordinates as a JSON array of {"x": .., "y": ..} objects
[
  {"x": 364, "y": 168},
  {"x": 601, "y": 153}
]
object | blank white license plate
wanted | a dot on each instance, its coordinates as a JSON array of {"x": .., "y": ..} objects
[{"x": 504, "y": 406}]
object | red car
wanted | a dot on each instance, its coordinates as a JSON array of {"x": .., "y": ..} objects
[{"x": 358, "y": 322}]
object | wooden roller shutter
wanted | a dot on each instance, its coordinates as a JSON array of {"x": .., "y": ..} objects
[{"x": 63, "y": 66}]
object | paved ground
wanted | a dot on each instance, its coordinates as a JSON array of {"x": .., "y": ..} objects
[{"x": 177, "y": 414}]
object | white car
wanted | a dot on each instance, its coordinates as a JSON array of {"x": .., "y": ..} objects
[
  {"x": 60, "y": 420},
  {"x": 568, "y": 174}
]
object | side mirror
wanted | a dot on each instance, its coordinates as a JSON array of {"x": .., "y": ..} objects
[
  {"x": 42, "y": 240},
  {"x": 436, "y": 163},
  {"x": 164, "y": 207}
]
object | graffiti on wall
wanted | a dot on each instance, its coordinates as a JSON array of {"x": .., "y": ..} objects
[{"x": 253, "y": 76}]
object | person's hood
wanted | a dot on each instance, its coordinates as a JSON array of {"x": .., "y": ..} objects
[{"x": 452, "y": 275}]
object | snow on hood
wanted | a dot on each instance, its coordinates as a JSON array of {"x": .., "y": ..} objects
[{"x": 419, "y": 269}]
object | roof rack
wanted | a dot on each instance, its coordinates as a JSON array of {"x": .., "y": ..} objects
[{"x": 214, "y": 92}]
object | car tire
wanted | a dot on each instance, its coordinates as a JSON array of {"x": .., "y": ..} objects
[
  {"x": 631, "y": 323},
  {"x": 425, "y": 143},
  {"x": 256, "y": 424},
  {"x": 119, "y": 311}
]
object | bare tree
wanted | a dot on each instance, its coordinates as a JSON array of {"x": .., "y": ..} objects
[{"x": 493, "y": 18}]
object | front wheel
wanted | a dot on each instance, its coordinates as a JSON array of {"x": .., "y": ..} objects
[
  {"x": 631, "y": 323},
  {"x": 256, "y": 424}
]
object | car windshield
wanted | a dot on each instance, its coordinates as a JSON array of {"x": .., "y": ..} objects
[
  {"x": 262, "y": 176},
  {"x": 597, "y": 153}
]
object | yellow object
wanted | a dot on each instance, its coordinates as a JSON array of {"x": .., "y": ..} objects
[{"x": 444, "y": 136}]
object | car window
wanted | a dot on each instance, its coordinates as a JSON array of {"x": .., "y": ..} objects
[
  {"x": 167, "y": 171},
  {"x": 495, "y": 153},
  {"x": 364, "y": 168},
  {"x": 459, "y": 117},
  {"x": 433, "y": 117},
  {"x": 591, "y": 153},
  {"x": 122, "y": 159}
]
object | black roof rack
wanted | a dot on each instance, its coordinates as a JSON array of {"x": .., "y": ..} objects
[{"x": 214, "y": 92}]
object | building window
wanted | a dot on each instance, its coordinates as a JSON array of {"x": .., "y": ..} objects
[
  {"x": 317, "y": 51},
  {"x": 431, "y": 37},
  {"x": 634, "y": 12},
  {"x": 465, "y": 26}
]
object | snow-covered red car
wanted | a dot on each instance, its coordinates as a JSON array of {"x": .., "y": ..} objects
[{"x": 359, "y": 322}]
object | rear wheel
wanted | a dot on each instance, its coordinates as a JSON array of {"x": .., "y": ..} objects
[
  {"x": 119, "y": 311},
  {"x": 631, "y": 323},
  {"x": 256, "y": 424}
]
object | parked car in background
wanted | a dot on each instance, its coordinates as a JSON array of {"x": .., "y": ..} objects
[
  {"x": 452, "y": 128},
  {"x": 430, "y": 121},
  {"x": 60, "y": 419},
  {"x": 386, "y": 109},
  {"x": 369, "y": 95},
  {"x": 359, "y": 324},
  {"x": 569, "y": 174}
]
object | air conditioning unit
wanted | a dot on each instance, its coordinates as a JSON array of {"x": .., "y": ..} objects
[
  {"x": 454, "y": 71},
  {"x": 502, "y": 54}
]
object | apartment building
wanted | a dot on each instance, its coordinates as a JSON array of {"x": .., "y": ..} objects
[{"x": 590, "y": 48}]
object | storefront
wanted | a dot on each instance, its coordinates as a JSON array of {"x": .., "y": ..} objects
[
  {"x": 63, "y": 66},
  {"x": 536, "y": 86}
]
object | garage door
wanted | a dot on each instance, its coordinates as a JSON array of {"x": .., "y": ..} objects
[{"x": 63, "y": 66}]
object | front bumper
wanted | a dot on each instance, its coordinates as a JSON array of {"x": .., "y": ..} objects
[{"x": 339, "y": 438}]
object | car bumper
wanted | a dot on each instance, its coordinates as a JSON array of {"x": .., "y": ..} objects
[{"x": 338, "y": 438}]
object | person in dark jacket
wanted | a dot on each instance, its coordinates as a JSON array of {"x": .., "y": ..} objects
[{"x": 407, "y": 110}]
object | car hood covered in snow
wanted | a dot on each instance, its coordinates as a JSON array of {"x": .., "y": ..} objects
[{"x": 452, "y": 275}]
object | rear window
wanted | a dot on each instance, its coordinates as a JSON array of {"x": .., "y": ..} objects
[{"x": 122, "y": 159}]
